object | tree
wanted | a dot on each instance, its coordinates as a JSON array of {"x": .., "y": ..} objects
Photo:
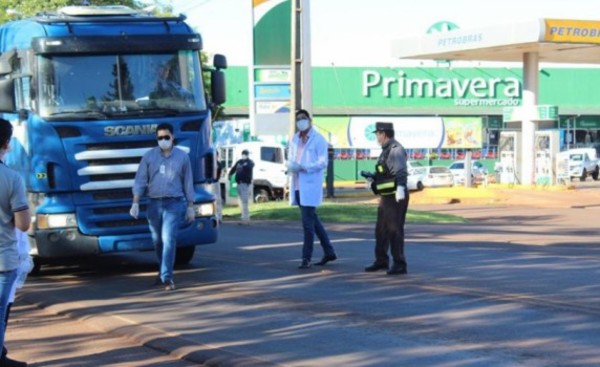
[{"x": 27, "y": 8}]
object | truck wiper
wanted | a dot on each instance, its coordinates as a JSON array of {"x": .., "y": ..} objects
[{"x": 85, "y": 114}]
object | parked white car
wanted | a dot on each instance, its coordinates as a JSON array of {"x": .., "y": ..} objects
[
  {"x": 478, "y": 171},
  {"x": 414, "y": 181},
  {"x": 437, "y": 176},
  {"x": 269, "y": 174}
]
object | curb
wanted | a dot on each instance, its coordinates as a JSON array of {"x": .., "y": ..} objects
[{"x": 150, "y": 337}]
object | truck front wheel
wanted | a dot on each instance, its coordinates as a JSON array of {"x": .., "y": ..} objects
[
  {"x": 261, "y": 195},
  {"x": 184, "y": 255},
  {"x": 583, "y": 175}
]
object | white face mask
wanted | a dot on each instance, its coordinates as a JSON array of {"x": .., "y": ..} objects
[
  {"x": 165, "y": 144},
  {"x": 303, "y": 124},
  {"x": 244, "y": 156}
]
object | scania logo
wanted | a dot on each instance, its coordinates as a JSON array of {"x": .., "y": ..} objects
[{"x": 130, "y": 130}]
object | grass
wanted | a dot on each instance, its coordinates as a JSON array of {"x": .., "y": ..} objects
[{"x": 334, "y": 213}]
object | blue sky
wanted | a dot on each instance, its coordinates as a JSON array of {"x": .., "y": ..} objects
[{"x": 360, "y": 33}]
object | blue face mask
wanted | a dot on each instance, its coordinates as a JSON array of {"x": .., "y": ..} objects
[
  {"x": 303, "y": 124},
  {"x": 165, "y": 144}
]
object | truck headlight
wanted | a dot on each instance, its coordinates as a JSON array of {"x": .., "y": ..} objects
[
  {"x": 47, "y": 221},
  {"x": 204, "y": 210}
]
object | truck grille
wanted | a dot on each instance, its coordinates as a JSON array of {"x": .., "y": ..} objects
[{"x": 111, "y": 166}]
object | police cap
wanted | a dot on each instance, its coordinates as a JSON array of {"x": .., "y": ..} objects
[
  {"x": 383, "y": 126},
  {"x": 245, "y": 151}
]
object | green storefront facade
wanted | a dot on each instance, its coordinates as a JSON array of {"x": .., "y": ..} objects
[{"x": 343, "y": 93}]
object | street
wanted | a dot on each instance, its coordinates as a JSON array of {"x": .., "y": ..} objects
[{"x": 516, "y": 286}]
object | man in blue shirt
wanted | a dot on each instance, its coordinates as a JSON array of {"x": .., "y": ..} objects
[{"x": 165, "y": 174}]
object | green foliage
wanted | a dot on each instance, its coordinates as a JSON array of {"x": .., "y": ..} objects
[
  {"x": 331, "y": 212},
  {"x": 27, "y": 8}
]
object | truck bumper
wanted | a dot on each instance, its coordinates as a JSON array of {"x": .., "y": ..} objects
[{"x": 57, "y": 243}]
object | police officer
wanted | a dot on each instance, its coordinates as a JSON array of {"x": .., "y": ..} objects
[{"x": 389, "y": 182}]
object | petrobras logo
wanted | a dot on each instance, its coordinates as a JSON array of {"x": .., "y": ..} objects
[{"x": 124, "y": 130}]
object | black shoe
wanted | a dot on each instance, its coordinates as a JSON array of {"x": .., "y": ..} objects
[
  {"x": 397, "y": 270},
  {"x": 326, "y": 259},
  {"x": 375, "y": 267},
  {"x": 7, "y": 362},
  {"x": 305, "y": 264}
]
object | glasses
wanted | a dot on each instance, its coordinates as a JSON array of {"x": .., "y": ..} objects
[{"x": 163, "y": 137}]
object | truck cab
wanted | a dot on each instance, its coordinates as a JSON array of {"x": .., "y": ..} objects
[{"x": 85, "y": 88}]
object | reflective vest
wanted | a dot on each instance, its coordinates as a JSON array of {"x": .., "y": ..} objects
[{"x": 384, "y": 182}]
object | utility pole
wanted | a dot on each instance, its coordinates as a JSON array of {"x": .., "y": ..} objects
[{"x": 301, "y": 83}]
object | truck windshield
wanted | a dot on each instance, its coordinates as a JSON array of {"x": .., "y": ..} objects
[{"x": 119, "y": 85}]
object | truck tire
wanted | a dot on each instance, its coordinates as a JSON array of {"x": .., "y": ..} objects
[
  {"x": 261, "y": 195},
  {"x": 183, "y": 255},
  {"x": 583, "y": 175},
  {"x": 595, "y": 174}
]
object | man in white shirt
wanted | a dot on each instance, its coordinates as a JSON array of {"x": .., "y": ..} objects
[{"x": 307, "y": 160}]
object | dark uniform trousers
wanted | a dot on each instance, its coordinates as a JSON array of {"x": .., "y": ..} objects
[{"x": 389, "y": 230}]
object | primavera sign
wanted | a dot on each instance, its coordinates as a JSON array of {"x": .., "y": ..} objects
[{"x": 478, "y": 91}]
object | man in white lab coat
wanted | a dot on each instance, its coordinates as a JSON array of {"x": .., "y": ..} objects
[{"x": 307, "y": 161}]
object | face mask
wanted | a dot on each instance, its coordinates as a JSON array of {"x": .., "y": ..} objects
[
  {"x": 244, "y": 156},
  {"x": 165, "y": 144},
  {"x": 302, "y": 125}
]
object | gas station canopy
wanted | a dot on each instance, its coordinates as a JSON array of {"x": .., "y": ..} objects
[
  {"x": 530, "y": 42},
  {"x": 554, "y": 40}
]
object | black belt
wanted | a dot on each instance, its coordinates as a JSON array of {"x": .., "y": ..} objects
[{"x": 168, "y": 198}]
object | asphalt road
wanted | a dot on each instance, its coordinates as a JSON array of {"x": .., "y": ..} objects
[{"x": 513, "y": 287}]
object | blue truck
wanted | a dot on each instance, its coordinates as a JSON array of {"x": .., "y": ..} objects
[{"x": 80, "y": 87}]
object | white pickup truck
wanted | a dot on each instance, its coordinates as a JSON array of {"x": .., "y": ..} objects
[{"x": 582, "y": 162}]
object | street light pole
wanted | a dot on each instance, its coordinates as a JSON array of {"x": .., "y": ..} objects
[{"x": 301, "y": 83}]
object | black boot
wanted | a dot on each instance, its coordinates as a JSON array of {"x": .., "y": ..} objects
[
  {"x": 397, "y": 269},
  {"x": 376, "y": 266}
]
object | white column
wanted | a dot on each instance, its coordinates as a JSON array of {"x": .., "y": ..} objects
[{"x": 528, "y": 127}]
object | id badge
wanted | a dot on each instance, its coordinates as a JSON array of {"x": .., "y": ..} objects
[{"x": 162, "y": 169}]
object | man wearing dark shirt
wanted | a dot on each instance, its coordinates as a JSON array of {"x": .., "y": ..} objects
[{"x": 243, "y": 178}]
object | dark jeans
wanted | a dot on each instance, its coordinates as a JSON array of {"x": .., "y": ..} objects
[
  {"x": 389, "y": 230},
  {"x": 312, "y": 225}
]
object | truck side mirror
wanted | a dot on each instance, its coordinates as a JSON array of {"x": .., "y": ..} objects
[
  {"x": 217, "y": 87},
  {"x": 7, "y": 95},
  {"x": 220, "y": 61}
]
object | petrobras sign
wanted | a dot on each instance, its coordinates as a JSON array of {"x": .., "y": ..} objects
[
  {"x": 488, "y": 91},
  {"x": 571, "y": 31}
]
